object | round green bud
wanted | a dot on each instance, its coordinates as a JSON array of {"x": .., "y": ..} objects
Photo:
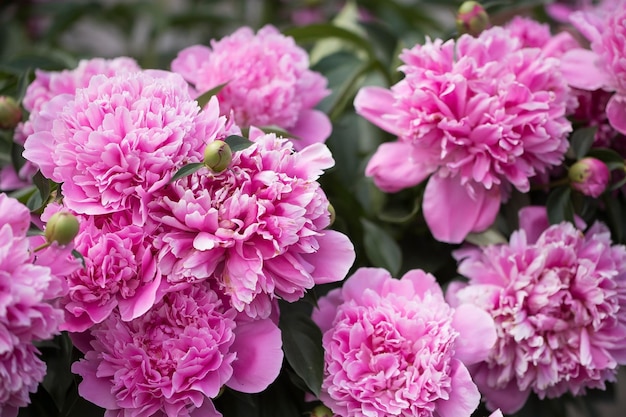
[
  {"x": 217, "y": 156},
  {"x": 322, "y": 411},
  {"x": 472, "y": 18},
  {"x": 10, "y": 113},
  {"x": 333, "y": 215},
  {"x": 62, "y": 227}
]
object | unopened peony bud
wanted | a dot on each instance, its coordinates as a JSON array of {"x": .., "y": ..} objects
[
  {"x": 322, "y": 411},
  {"x": 472, "y": 18},
  {"x": 589, "y": 176},
  {"x": 10, "y": 113},
  {"x": 62, "y": 227},
  {"x": 217, "y": 156}
]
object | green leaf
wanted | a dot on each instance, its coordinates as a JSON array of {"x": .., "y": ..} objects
[
  {"x": 206, "y": 96},
  {"x": 278, "y": 131},
  {"x": 302, "y": 344},
  {"x": 615, "y": 212},
  {"x": 581, "y": 141},
  {"x": 43, "y": 185},
  {"x": 76, "y": 254},
  {"x": 237, "y": 143},
  {"x": 325, "y": 30},
  {"x": 186, "y": 170},
  {"x": 559, "y": 205},
  {"x": 381, "y": 249},
  {"x": 612, "y": 159}
]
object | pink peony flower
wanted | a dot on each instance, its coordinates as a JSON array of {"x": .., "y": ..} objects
[
  {"x": 175, "y": 358},
  {"x": 479, "y": 114},
  {"x": 558, "y": 299},
  {"x": 603, "y": 66},
  {"x": 120, "y": 271},
  {"x": 257, "y": 227},
  {"x": 396, "y": 348},
  {"x": 268, "y": 82},
  {"x": 28, "y": 284},
  {"x": 47, "y": 85},
  {"x": 120, "y": 139},
  {"x": 533, "y": 34}
]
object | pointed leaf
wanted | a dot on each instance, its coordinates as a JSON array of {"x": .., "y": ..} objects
[
  {"x": 206, "y": 96},
  {"x": 302, "y": 343},
  {"x": 186, "y": 170},
  {"x": 581, "y": 141},
  {"x": 559, "y": 205},
  {"x": 381, "y": 249},
  {"x": 325, "y": 30},
  {"x": 237, "y": 143}
]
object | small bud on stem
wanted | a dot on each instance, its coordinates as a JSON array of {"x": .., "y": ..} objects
[{"x": 217, "y": 156}]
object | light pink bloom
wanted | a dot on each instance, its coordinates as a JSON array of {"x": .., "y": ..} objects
[
  {"x": 47, "y": 85},
  {"x": 28, "y": 286},
  {"x": 603, "y": 66},
  {"x": 479, "y": 114},
  {"x": 269, "y": 82},
  {"x": 258, "y": 227},
  {"x": 534, "y": 34},
  {"x": 396, "y": 348},
  {"x": 175, "y": 358},
  {"x": 120, "y": 271},
  {"x": 558, "y": 298},
  {"x": 120, "y": 139}
]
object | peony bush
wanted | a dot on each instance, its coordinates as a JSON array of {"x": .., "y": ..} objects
[{"x": 204, "y": 207}]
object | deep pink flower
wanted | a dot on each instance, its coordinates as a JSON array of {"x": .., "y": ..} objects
[
  {"x": 603, "y": 66},
  {"x": 120, "y": 139},
  {"x": 258, "y": 227},
  {"x": 479, "y": 114},
  {"x": 396, "y": 348},
  {"x": 269, "y": 82},
  {"x": 28, "y": 285},
  {"x": 558, "y": 298},
  {"x": 175, "y": 358},
  {"x": 590, "y": 176}
]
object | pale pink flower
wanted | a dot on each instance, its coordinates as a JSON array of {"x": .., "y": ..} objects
[
  {"x": 481, "y": 115},
  {"x": 258, "y": 227},
  {"x": 28, "y": 285},
  {"x": 175, "y": 358},
  {"x": 269, "y": 82},
  {"x": 534, "y": 34},
  {"x": 603, "y": 66},
  {"x": 117, "y": 141},
  {"x": 120, "y": 271},
  {"x": 47, "y": 85},
  {"x": 396, "y": 348},
  {"x": 558, "y": 298}
]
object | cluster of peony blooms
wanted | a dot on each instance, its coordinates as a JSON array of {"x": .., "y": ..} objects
[{"x": 178, "y": 294}]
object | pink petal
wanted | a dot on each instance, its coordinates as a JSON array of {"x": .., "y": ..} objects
[
  {"x": 141, "y": 302},
  {"x": 94, "y": 389},
  {"x": 509, "y": 399},
  {"x": 374, "y": 104},
  {"x": 374, "y": 279},
  {"x": 333, "y": 259},
  {"x": 259, "y": 356},
  {"x": 313, "y": 126},
  {"x": 423, "y": 282},
  {"x": 581, "y": 70},
  {"x": 315, "y": 159},
  {"x": 464, "y": 396},
  {"x": 324, "y": 314},
  {"x": 397, "y": 165},
  {"x": 477, "y": 333},
  {"x": 189, "y": 60},
  {"x": 533, "y": 220},
  {"x": 616, "y": 112},
  {"x": 206, "y": 410},
  {"x": 451, "y": 212}
]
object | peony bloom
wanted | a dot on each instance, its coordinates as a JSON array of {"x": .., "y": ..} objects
[
  {"x": 117, "y": 141},
  {"x": 558, "y": 298},
  {"x": 258, "y": 227},
  {"x": 603, "y": 66},
  {"x": 47, "y": 85},
  {"x": 28, "y": 284},
  {"x": 479, "y": 114},
  {"x": 396, "y": 348},
  {"x": 120, "y": 271},
  {"x": 175, "y": 358},
  {"x": 268, "y": 82}
]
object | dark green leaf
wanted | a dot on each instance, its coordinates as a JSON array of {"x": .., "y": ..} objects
[
  {"x": 206, "y": 96},
  {"x": 186, "y": 170},
  {"x": 43, "y": 185},
  {"x": 400, "y": 214},
  {"x": 302, "y": 344},
  {"x": 560, "y": 206},
  {"x": 237, "y": 143},
  {"x": 17, "y": 159},
  {"x": 22, "y": 84},
  {"x": 615, "y": 213},
  {"x": 382, "y": 249},
  {"x": 612, "y": 159},
  {"x": 325, "y": 31},
  {"x": 581, "y": 141},
  {"x": 76, "y": 254}
]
